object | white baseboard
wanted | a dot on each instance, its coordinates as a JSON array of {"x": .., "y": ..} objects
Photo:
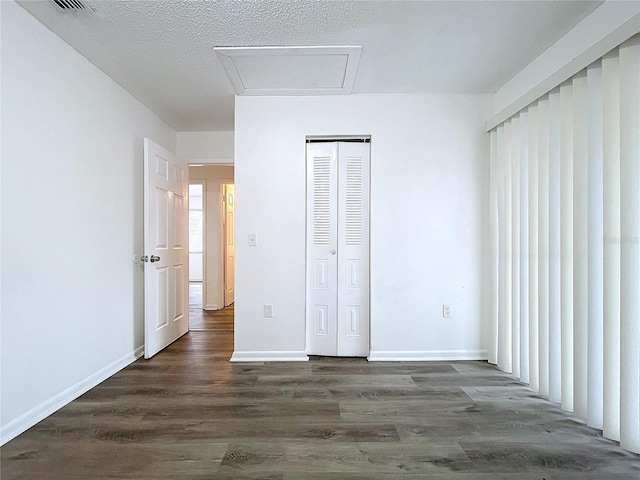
[
  {"x": 426, "y": 355},
  {"x": 27, "y": 420},
  {"x": 374, "y": 356},
  {"x": 211, "y": 306},
  {"x": 269, "y": 357}
]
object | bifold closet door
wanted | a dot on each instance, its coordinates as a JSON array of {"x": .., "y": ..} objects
[{"x": 338, "y": 248}]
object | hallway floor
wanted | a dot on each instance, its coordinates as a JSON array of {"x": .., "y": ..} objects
[{"x": 190, "y": 414}]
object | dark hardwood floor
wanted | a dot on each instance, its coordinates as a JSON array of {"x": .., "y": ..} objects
[{"x": 190, "y": 414}]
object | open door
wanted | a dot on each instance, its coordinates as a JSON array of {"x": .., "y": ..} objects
[
  {"x": 166, "y": 252},
  {"x": 229, "y": 249}
]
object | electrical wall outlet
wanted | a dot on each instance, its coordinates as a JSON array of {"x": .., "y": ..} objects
[
  {"x": 268, "y": 310},
  {"x": 446, "y": 311}
]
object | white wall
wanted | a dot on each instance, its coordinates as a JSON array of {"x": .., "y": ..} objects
[
  {"x": 429, "y": 212},
  {"x": 212, "y": 176},
  {"x": 72, "y": 155},
  {"x": 205, "y": 147}
]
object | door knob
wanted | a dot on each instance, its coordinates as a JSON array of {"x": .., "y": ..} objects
[
  {"x": 154, "y": 258},
  {"x": 332, "y": 252}
]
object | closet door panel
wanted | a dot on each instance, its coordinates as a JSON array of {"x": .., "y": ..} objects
[
  {"x": 322, "y": 232},
  {"x": 353, "y": 249}
]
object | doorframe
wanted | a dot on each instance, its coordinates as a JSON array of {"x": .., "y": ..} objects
[
  {"x": 367, "y": 138},
  {"x": 203, "y": 182}
]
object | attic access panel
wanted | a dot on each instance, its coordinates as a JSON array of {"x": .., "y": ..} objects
[{"x": 301, "y": 70}]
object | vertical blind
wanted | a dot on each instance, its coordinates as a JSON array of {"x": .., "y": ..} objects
[{"x": 565, "y": 236}]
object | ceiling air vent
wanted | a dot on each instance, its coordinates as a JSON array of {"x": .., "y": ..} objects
[{"x": 73, "y": 6}]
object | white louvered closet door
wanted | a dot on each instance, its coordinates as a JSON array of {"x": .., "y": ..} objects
[{"x": 338, "y": 249}]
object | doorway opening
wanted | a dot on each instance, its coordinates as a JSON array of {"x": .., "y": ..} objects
[{"x": 212, "y": 188}]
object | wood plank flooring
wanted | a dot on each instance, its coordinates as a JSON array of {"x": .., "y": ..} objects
[{"x": 190, "y": 414}]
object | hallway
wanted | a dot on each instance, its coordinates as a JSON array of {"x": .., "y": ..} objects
[{"x": 190, "y": 414}]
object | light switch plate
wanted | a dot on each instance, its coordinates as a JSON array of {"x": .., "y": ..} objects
[{"x": 253, "y": 240}]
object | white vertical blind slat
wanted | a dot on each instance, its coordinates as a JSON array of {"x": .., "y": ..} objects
[
  {"x": 580, "y": 235},
  {"x": 595, "y": 247},
  {"x": 543, "y": 244},
  {"x": 630, "y": 245},
  {"x": 566, "y": 243},
  {"x": 555, "y": 333},
  {"x": 515, "y": 246},
  {"x": 524, "y": 247},
  {"x": 492, "y": 313},
  {"x": 504, "y": 225},
  {"x": 611, "y": 254},
  {"x": 534, "y": 366}
]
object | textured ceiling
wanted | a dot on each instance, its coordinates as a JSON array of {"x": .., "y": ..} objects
[{"x": 162, "y": 51}]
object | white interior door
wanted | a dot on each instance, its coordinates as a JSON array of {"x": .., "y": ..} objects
[
  {"x": 353, "y": 249},
  {"x": 338, "y": 249},
  {"x": 166, "y": 253},
  {"x": 322, "y": 246},
  {"x": 229, "y": 250}
]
